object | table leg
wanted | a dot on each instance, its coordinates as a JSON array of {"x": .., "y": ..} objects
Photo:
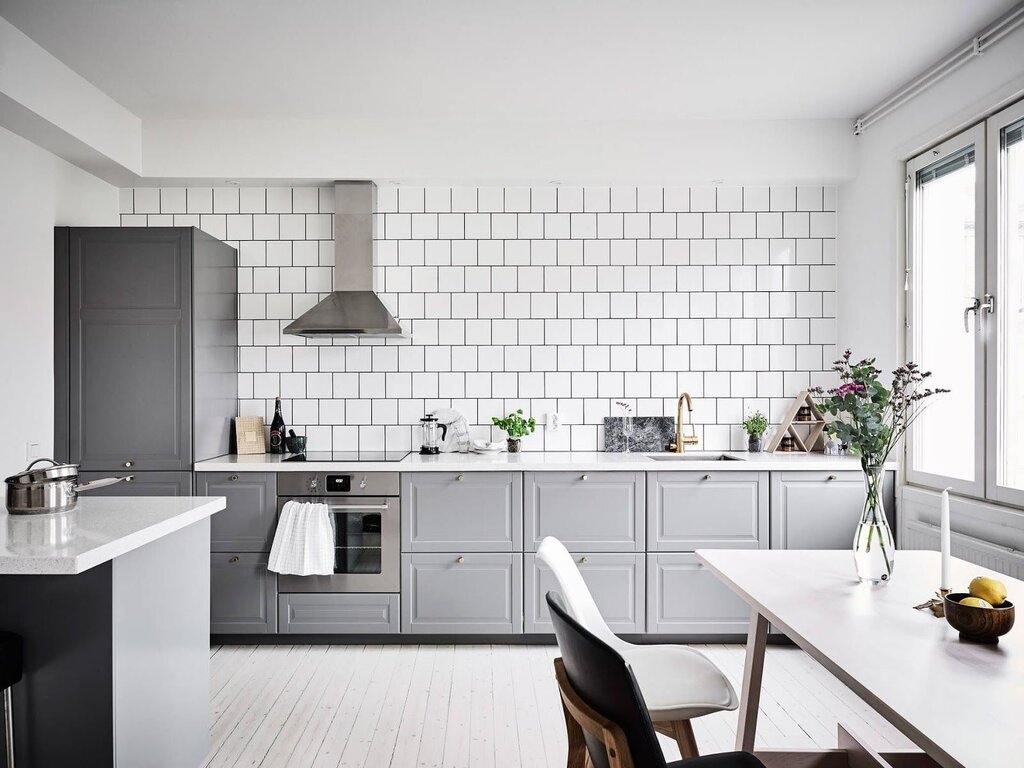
[{"x": 753, "y": 667}]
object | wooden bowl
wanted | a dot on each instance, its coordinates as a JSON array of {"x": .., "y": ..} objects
[{"x": 978, "y": 625}]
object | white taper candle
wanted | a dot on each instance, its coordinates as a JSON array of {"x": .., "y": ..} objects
[{"x": 945, "y": 581}]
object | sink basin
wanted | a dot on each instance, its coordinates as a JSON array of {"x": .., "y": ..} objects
[{"x": 692, "y": 457}]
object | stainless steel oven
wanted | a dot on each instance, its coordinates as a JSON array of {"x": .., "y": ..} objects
[{"x": 365, "y": 509}]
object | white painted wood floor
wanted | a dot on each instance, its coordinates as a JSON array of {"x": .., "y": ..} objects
[{"x": 404, "y": 706}]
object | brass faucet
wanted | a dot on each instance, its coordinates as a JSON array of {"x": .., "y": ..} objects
[{"x": 679, "y": 446}]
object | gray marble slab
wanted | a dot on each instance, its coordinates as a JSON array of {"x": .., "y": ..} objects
[{"x": 650, "y": 433}]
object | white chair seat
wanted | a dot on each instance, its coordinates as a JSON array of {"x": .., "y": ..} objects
[{"x": 678, "y": 683}]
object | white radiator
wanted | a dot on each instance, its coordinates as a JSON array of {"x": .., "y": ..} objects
[{"x": 921, "y": 535}]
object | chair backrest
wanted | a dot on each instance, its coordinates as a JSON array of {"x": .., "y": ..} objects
[
  {"x": 603, "y": 679},
  {"x": 573, "y": 589}
]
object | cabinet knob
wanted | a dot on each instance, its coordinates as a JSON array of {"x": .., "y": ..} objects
[
  {"x": 234, "y": 559},
  {"x": 460, "y": 478},
  {"x": 460, "y": 560},
  {"x": 584, "y": 559},
  {"x": 583, "y": 477},
  {"x": 233, "y": 478},
  {"x": 130, "y": 478},
  {"x": 832, "y": 477},
  {"x": 707, "y": 477},
  {"x": 129, "y": 464}
]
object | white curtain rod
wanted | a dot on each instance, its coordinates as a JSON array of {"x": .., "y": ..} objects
[{"x": 973, "y": 47}]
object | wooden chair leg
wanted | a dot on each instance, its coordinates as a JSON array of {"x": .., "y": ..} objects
[
  {"x": 682, "y": 731},
  {"x": 577, "y": 757}
]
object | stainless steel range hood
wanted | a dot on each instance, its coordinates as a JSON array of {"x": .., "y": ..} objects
[{"x": 353, "y": 309}]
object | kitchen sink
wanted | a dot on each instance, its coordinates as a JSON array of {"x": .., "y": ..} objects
[{"x": 692, "y": 457}]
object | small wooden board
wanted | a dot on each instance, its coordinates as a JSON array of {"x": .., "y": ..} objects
[
  {"x": 814, "y": 437},
  {"x": 250, "y": 436}
]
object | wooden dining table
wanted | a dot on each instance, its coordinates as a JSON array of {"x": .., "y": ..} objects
[{"x": 961, "y": 703}]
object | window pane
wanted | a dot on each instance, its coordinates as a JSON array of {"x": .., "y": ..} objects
[
  {"x": 944, "y": 267},
  {"x": 1010, "y": 312}
]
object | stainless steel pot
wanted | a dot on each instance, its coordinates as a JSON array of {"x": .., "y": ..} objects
[{"x": 49, "y": 489}]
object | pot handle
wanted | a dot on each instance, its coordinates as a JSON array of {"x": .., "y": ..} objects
[
  {"x": 102, "y": 483},
  {"x": 52, "y": 463}
]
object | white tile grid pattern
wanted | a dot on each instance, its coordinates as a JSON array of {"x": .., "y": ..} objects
[{"x": 550, "y": 299}]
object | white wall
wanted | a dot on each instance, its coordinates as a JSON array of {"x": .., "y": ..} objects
[
  {"x": 37, "y": 191},
  {"x": 871, "y": 211}
]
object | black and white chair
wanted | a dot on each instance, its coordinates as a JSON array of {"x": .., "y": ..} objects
[
  {"x": 606, "y": 715},
  {"x": 678, "y": 683}
]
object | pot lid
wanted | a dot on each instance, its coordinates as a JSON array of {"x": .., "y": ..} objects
[{"x": 56, "y": 471}]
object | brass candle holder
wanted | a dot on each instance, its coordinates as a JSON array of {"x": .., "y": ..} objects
[{"x": 936, "y": 605}]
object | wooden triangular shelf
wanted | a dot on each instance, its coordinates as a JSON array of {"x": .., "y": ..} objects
[{"x": 813, "y": 439}]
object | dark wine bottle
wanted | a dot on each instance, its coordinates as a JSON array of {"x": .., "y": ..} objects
[{"x": 277, "y": 429}]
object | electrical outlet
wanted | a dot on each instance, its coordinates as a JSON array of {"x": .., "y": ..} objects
[
  {"x": 554, "y": 422},
  {"x": 33, "y": 451}
]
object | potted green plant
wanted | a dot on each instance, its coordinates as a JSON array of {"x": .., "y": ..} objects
[
  {"x": 755, "y": 425},
  {"x": 517, "y": 427}
]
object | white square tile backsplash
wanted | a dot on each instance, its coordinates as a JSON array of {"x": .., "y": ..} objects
[{"x": 551, "y": 299}]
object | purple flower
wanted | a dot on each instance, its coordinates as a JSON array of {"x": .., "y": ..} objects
[{"x": 849, "y": 389}]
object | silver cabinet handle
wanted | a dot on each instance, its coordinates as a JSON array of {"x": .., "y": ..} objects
[
  {"x": 233, "y": 478},
  {"x": 129, "y": 479},
  {"x": 584, "y": 559},
  {"x": 460, "y": 478},
  {"x": 583, "y": 477},
  {"x": 129, "y": 464},
  {"x": 707, "y": 477},
  {"x": 832, "y": 477},
  {"x": 234, "y": 559},
  {"x": 460, "y": 560}
]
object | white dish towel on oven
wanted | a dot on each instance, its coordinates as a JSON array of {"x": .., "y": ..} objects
[{"x": 304, "y": 541}]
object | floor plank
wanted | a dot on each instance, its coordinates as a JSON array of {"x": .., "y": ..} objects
[{"x": 472, "y": 706}]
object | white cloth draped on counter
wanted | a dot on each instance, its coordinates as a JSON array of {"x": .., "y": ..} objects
[{"x": 304, "y": 541}]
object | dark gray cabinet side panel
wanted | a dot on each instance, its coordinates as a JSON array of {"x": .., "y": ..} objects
[
  {"x": 214, "y": 345},
  {"x": 338, "y": 614},
  {"x": 130, "y": 362},
  {"x": 142, "y": 484},
  {"x": 248, "y": 522},
  {"x": 243, "y": 595},
  {"x": 61, "y": 345}
]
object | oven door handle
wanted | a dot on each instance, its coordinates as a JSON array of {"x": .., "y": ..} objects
[{"x": 351, "y": 507}]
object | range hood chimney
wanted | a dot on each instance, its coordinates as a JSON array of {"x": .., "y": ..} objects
[{"x": 353, "y": 309}]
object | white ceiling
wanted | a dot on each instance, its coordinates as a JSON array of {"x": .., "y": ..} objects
[{"x": 511, "y": 60}]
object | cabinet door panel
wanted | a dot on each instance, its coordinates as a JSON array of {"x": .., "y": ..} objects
[
  {"x": 467, "y": 512},
  {"x": 333, "y": 614},
  {"x": 141, "y": 484},
  {"x": 685, "y": 598},
  {"x": 243, "y": 595},
  {"x": 592, "y": 511},
  {"x": 462, "y": 594},
  {"x": 248, "y": 522},
  {"x": 693, "y": 510},
  {"x": 616, "y": 582}
]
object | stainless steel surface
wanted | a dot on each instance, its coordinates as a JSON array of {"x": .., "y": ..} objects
[
  {"x": 348, "y": 492},
  {"x": 8, "y": 728},
  {"x": 679, "y": 446},
  {"x": 49, "y": 490},
  {"x": 353, "y": 309},
  {"x": 692, "y": 457}
]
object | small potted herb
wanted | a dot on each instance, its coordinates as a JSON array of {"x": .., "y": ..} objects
[
  {"x": 517, "y": 428},
  {"x": 755, "y": 425}
]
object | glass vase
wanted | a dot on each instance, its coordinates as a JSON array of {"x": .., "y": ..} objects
[{"x": 874, "y": 551}]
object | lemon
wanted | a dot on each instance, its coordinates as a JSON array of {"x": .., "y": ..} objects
[
  {"x": 991, "y": 591},
  {"x": 975, "y": 602}
]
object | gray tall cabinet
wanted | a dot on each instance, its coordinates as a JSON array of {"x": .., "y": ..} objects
[{"x": 145, "y": 353}]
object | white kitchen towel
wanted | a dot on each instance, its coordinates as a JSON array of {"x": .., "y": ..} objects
[{"x": 304, "y": 541}]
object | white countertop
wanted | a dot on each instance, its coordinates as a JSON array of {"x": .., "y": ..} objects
[
  {"x": 99, "y": 529},
  {"x": 542, "y": 461}
]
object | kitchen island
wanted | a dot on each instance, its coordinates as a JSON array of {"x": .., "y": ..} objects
[{"x": 112, "y": 600}]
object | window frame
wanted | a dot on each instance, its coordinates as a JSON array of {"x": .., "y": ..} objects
[{"x": 995, "y": 247}]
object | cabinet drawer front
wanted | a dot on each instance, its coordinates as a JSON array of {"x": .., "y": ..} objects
[
  {"x": 247, "y": 524},
  {"x": 142, "y": 483},
  {"x": 482, "y": 594},
  {"x": 594, "y": 511},
  {"x": 335, "y": 614},
  {"x": 243, "y": 595},
  {"x": 694, "y": 510},
  {"x": 683, "y": 597},
  {"x": 467, "y": 512},
  {"x": 816, "y": 510},
  {"x": 616, "y": 582}
]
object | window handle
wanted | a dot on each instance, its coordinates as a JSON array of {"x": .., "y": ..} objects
[
  {"x": 988, "y": 303},
  {"x": 974, "y": 306}
]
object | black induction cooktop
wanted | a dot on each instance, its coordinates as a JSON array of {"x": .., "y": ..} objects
[{"x": 349, "y": 456}]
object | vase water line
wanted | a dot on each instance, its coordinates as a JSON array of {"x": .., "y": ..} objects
[{"x": 874, "y": 550}]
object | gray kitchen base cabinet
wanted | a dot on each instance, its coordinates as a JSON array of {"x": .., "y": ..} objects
[
  {"x": 687, "y": 511},
  {"x": 471, "y": 593},
  {"x": 586, "y": 511},
  {"x": 248, "y": 522},
  {"x": 336, "y": 614},
  {"x": 685, "y": 598},
  {"x": 243, "y": 594},
  {"x": 616, "y": 581}
]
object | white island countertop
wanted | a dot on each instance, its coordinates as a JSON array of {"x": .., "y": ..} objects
[
  {"x": 99, "y": 529},
  {"x": 545, "y": 461}
]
